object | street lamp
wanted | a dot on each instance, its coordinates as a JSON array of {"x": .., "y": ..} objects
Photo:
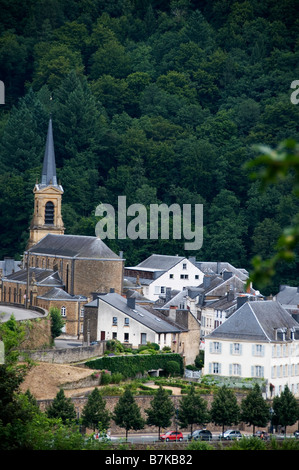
[{"x": 271, "y": 418}]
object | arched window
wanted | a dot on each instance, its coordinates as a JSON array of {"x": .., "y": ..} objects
[
  {"x": 63, "y": 311},
  {"x": 49, "y": 213}
]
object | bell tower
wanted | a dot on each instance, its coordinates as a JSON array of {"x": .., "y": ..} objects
[{"x": 47, "y": 198}]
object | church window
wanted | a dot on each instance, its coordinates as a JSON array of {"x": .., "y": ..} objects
[{"x": 49, "y": 213}]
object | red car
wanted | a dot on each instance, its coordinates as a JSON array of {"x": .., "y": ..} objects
[{"x": 171, "y": 436}]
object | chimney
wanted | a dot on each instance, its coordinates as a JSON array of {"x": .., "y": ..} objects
[
  {"x": 275, "y": 334},
  {"x": 168, "y": 294},
  {"x": 131, "y": 302},
  {"x": 230, "y": 295},
  {"x": 218, "y": 267},
  {"x": 226, "y": 275},
  {"x": 206, "y": 281},
  {"x": 241, "y": 300}
]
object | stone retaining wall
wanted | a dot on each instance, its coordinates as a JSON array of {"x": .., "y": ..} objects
[{"x": 68, "y": 355}]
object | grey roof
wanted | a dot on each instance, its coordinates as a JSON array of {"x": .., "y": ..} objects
[
  {"x": 154, "y": 321},
  {"x": 9, "y": 266},
  {"x": 49, "y": 166},
  {"x": 220, "y": 267},
  {"x": 255, "y": 321},
  {"x": 73, "y": 246},
  {"x": 59, "y": 294},
  {"x": 288, "y": 295},
  {"x": 45, "y": 277},
  {"x": 160, "y": 262},
  {"x": 223, "y": 303}
]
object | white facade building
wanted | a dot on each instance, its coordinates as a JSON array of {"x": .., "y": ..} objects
[
  {"x": 121, "y": 319},
  {"x": 259, "y": 340},
  {"x": 158, "y": 273}
]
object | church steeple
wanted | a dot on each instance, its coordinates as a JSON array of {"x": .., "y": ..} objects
[
  {"x": 47, "y": 197},
  {"x": 49, "y": 165}
]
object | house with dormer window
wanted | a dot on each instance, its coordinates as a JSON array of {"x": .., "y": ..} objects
[{"x": 259, "y": 340}]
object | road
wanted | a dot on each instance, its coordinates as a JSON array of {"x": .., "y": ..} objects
[
  {"x": 61, "y": 343},
  {"x": 19, "y": 313}
]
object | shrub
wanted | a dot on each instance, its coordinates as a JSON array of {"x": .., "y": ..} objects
[
  {"x": 199, "y": 445},
  {"x": 249, "y": 443},
  {"x": 130, "y": 366},
  {"x": 105, "y": 379}
]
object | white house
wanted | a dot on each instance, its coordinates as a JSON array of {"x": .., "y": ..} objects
[
  {"x": 112, "y": 316},
  {"x": 122, "y": 319},
  {"x": 260, "y": 339},
  {"x": 158, "y": 273}
]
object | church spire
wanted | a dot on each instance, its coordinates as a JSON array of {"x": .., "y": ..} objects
[
  {"x": 49, "y": 166},
  {"x": 47, "y": 216}
]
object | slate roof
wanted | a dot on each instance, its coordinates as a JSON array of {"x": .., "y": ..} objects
[
  {"x": 154, "y": 321},
  {"x": 45, "y": 277},
  {"x": 288, "y": 296},
  {"x": 59, "y": 294},
  {"x": 255, "y": 321},
  {"x": 160, "y": 262},
  {"x": 73, "y": 246},
  {"x": 9, "y": 265},
  {"x": 217, "y": 268}
]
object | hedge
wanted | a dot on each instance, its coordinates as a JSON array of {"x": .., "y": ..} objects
[{"x": 130, "y": 366}]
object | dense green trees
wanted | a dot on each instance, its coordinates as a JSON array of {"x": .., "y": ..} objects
[{"x": 158, "y": 101}]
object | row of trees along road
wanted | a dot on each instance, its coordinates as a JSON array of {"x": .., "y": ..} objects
[{"x": 192, "y": 410}]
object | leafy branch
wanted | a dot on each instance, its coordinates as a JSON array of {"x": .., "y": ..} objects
[{"x": 271, "y": 167}]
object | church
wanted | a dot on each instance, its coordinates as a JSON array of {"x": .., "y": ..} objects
[{"x": 59, "y": 270}]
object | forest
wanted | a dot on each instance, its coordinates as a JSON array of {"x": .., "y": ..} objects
[{"x": 159, "y": 101}]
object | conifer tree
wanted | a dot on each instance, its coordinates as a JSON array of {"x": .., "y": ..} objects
[
  {"x": 286, "y": 410},
  {"x": 127, "y": 413},
  {"x": 225, "y": 409},
  {"x": 254, "y": 409},
  {"x": 94, "y": 414},
  {"x": 62, "y": 407},
  {"x": 161, "y": 410},
  {"x": 192, "y": 409}
]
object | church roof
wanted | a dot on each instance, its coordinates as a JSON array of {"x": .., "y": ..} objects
[
  {"x": 59, "y": 294},
  {"x": 73, "y": 246},
  {"x": 45, "y": 277},
  {"x": 49, "y": 177}
]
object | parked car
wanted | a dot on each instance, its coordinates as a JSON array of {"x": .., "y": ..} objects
[
  {"x": 296, "y": 434},
  {"x": 171, "y": 436},
  {"x": 230, "y": 434},
  {"x": 200, "y": 435}
]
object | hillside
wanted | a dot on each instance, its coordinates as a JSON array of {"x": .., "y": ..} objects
[
  {"x": 44, "y": 380},
  {"x": 159, "y": 101}
]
